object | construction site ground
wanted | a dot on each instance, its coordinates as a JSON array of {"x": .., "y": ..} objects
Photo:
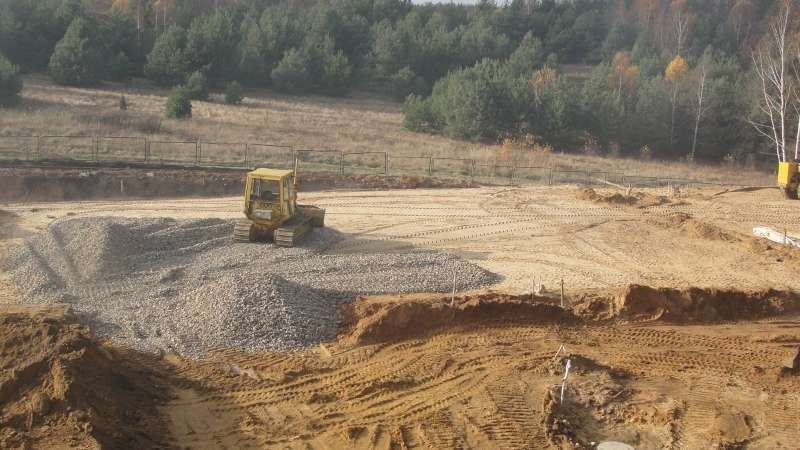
[{"x": 697, "y": 354}]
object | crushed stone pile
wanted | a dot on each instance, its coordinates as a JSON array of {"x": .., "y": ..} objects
[{"x": 184, "y": 286}]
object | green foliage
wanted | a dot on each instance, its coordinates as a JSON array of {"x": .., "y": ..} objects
[
  {"x": 252, "y": 53},
  {"x": 474, "y": 103},
  {"x": 333, "y": 76},
  {"x": 167, "y": 63},
  {"x": 234, "y": 93},
  {"x": 291, "y": 75},
  {"x": 211, "y": 45},
  {"x": 482, "y": 58},
  {"x": 528, "y": 57},
  {"x": 121, "y": 68},
  {"x": 76, "y": 60},
  {"x": 406, "y": 82},
  {"x": 197, "y": 86},
  {"x": 417, "y": 113},
  {"x": 10, "y": 82},
  {"x": 179, "y": 103}
]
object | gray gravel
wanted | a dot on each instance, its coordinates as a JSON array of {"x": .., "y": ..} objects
[{"x": 186, "y": 287}]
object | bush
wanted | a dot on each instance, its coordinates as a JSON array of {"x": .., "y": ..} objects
[
  {"x": 10, "y": 82},
  {"x": 197, "y": 86},
  {"x": 233, "y": 93},
  {"x": 76, "y": 61},
  {"x": 179, "y": 103},
  {"x": 417, "y": 113}
]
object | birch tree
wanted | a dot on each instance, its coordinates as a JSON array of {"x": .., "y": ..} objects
[
  {"x": 777, "y": 90},
  {"x": 701, "y": 106}
]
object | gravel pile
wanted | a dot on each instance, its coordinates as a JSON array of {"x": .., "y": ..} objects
[{"x": 186, "y": 287}]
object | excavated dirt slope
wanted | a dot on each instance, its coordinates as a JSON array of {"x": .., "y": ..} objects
[
  {"x": 61, "y": 388},
  {"x": 484, "y": 372},
  {"x": 421, "y": 372}
]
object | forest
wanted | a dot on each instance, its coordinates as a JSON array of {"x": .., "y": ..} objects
[{"x": 666, "y": 79}]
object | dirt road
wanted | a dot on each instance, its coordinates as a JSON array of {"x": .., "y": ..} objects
[{"x": 528, "y": 234}]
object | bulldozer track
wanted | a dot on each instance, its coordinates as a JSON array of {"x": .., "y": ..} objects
[{"x": 447, "y": 390}]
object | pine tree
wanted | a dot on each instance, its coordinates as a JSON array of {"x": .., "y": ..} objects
[
  {"x": 10, "y": 82},
  {"x": 179, "y": 104},
  {"x": 77, "y": 60},
  {"x": 291, "y": 74},
  {"x": 197, "y": 86},
  {"x": 233, "y": 93},
  {"x": 166, "y": 63}
]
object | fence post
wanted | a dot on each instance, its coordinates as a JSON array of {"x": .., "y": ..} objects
[
  {"x": 145, "y": 148},
  {"x": 386, "y": 163},
  {"x": 430, "y": 166},
  {"x": 472, "y": 170},
  {"x": 513, "y": 174},
  {"x": 246, "y": 147},
  {"x": 588, "y": 177},
  {"x": 38, "y": 147},
  {"x": 197, "y": 152},
  {"x": 96, "y": 148},
  {"x": 549, "y": 176},
  {"x": 341, "y": 163}
]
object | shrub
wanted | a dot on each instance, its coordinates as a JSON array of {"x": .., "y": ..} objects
[
  {"x": 10, "y": 82},
  {"x": 233, "y": 93},
  {"x": 76, "y": 60},
  {"x": 416, "y": 113},
  {"x": 197, "y": 86},
  {"x": 179, "y": 103}
]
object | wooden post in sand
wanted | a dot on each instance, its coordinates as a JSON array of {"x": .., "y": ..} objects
[
  {"x": 562, "y": 292},
  {"x": 453, "y": 297}
]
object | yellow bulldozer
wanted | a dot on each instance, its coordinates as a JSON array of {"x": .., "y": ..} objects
[
  {"x": 271, "y": 209},
  {"x": 789, "y": 178}
]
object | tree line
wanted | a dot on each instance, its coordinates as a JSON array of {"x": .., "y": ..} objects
[{"x": 670, "y": 79}]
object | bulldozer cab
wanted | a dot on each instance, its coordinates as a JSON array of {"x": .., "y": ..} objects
[{"x": 269, "y": 196}]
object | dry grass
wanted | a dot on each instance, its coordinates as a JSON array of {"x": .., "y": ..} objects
[{"x": 357, "y": 124}]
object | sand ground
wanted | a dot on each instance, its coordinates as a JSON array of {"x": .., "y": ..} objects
[
  {"x": 490, "y": 384},
  {"x": 526, "y": 234}
]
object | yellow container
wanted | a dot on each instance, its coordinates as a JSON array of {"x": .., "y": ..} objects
[{"x": 786, "y": 172}]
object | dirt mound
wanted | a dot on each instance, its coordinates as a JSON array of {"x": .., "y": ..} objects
[
  {"x": 639, "y": 199},
  {"x": 702, "y": 305},
  {"x": 380, "y": 319},
  {"x": 60, "y": 387}
]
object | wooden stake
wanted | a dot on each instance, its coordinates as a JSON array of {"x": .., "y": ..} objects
[
  {"x": 562, "y": 292},
  {"x": 453, "y": 297}
]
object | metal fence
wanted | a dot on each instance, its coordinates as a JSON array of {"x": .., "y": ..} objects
[{"x": 142, "y": 150}]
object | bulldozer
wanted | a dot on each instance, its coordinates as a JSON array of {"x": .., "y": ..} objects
[
  {"x": 271, "y": 209},
  {"x": 789, "y": 178}
]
